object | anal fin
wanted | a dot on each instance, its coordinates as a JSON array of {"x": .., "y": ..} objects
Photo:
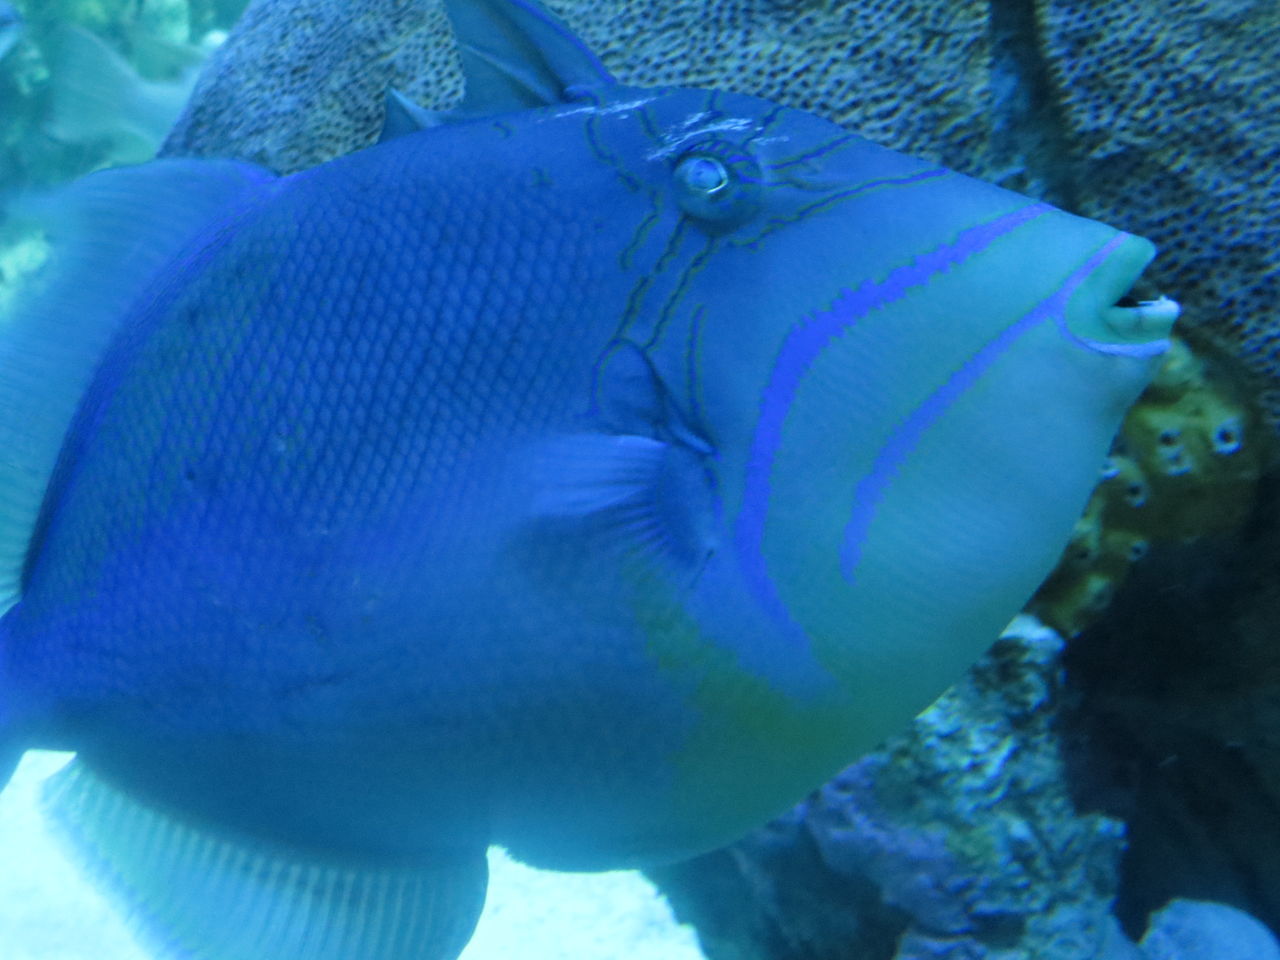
[{"x": 191, "y": 893}]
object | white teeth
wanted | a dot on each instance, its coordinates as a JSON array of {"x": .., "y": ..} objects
[{"x": 1148, "y": 318}]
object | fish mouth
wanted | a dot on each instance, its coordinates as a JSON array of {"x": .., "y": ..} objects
[
  {"x": 1137, "y": 321},
  {"x": 1104, "y": 315}
]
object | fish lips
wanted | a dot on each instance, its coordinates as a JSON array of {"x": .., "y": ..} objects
[{"x": 1103, "y": 317}]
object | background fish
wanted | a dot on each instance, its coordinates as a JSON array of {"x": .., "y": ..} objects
[
  {"x": 11, "y": 27},
  {"x": 593, "y": 473},
  {"x": 96, "y": 96}
]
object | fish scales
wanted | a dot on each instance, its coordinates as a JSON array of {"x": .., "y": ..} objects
[
  {"x": 320, "y": 429},
  {"x": 589, "y": 470}
]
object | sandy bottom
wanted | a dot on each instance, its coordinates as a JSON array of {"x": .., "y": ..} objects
[{"x": 49, "y": 912}]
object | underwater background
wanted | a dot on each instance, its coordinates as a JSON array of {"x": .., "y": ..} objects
[{"x": 1105, "y": 784}]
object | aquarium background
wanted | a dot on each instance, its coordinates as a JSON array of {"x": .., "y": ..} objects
[{"x": 1109, "y": 775}]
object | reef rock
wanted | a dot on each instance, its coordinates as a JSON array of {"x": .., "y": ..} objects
[
  {"x": 958, "y": 839},
  {"x": 1193, "y": 930},
  {"x": 1175, "y": 720}
]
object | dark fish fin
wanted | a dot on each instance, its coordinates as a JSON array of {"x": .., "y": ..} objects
[
  {"x": 110, "y": 233},
  {"x": 193, "y": 893},
  {"x": 403, "y": 116},
  {"x": 517, "y": 55},
  {"x": 631, "y": 494}
]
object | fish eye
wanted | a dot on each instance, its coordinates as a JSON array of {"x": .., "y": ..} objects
[
  {"x": 704, "y": 175},
  {"x": 718, "y": 184}
]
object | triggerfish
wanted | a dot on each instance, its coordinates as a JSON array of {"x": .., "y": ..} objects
[{"x": 589, "y": 470}]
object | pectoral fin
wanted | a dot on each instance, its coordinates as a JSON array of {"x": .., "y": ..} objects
[{"x": 631, "y": 494}]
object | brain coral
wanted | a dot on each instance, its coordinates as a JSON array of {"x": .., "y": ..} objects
[
  {"x": 306, "y": 76},
  {"x": 1168, "y": 107}
]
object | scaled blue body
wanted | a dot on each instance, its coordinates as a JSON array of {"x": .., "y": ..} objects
[{"x": 593, "y": 471}]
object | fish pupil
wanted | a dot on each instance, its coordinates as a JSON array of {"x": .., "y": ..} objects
[{"x": 705, "y": 175}]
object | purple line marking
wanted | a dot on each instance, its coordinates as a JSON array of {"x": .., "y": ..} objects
[
  {"x": 1152, "y": 348},
  {"x": 803, "y": 345},
  {"x": 872, "y": 487}
]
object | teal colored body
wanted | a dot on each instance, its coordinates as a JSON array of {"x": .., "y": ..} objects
[{"x": 592, "y": 474}]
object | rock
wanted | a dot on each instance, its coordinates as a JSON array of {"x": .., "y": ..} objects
[
  {"x": 1196, "y": 930},
  {"x": 958, "y": 839}
]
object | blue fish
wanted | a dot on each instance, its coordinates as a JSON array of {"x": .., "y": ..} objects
[
  {"x": 11, "y": 28},
  {"x": 590, "y": 470}
]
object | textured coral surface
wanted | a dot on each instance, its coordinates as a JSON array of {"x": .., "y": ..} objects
[{"x": 1167, "y": 108}]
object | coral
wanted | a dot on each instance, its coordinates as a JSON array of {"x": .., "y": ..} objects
[
  {"x": 1186, "y": 464},
  {"x": 1195, "y": 930},
  {"x": 20, "y": 255},
  {"x": 1173, "y": 136},
  {"x": 155, "y": 36},
  {"x": 957, "y": 839},
  {"x": 301, "y": 82},
  {"x": 306, "y": 77}
]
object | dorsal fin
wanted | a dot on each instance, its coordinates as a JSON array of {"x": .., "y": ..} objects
[
  {"x": 517, "y": 55},
  {"x": 110, "y": 232},
  {"x": 404, "y": 116}
]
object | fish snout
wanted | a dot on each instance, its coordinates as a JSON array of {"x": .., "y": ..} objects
[{"x": 1104, "y": 316}]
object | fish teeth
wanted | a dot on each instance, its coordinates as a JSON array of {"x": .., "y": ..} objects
[{"x": 1149, "y": 318}]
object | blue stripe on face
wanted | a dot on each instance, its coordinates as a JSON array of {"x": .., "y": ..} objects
[
  {"x": 803, "y": 345},
  {"x": 906, "y": 436}
]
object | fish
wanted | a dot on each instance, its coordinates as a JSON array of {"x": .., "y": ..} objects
[
  {"x": 11, "y": 28},
  {"x": 588, "y": 470},
  {"x": 97, "y": 97}
]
